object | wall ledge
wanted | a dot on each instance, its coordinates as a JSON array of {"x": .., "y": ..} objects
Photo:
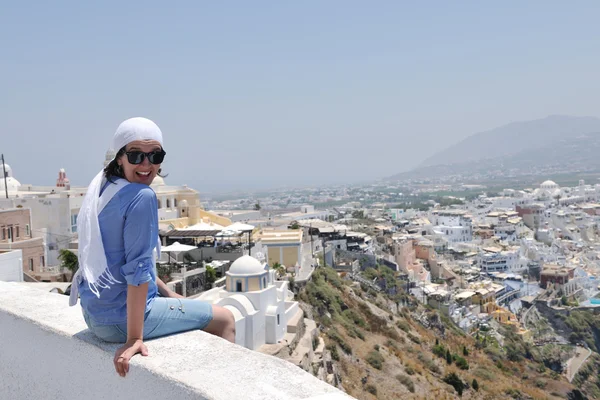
[{"x": 47, "y": 351}]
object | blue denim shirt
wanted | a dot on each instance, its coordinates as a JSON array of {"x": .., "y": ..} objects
[{"x": 129, "y": 228}]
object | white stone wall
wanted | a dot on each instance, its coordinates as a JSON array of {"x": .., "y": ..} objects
[
  {"x": 11, "y": 266},
  {"x": 47, "y": 352}
]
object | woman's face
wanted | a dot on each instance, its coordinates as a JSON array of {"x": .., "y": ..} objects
[{"x": 145, "y": 172}]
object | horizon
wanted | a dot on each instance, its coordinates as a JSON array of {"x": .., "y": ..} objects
[{"x": 255, "y": 97}]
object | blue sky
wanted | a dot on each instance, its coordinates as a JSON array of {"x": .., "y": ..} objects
[{"x": 264, "y": 94}]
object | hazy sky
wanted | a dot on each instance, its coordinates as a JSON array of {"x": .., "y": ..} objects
[{"x": 259, "y": 94}]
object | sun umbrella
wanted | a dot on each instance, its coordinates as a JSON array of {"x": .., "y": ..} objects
[{"x": 176, "y": 248}]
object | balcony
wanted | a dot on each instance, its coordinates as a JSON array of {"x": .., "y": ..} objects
[{"x": 47, "y": 351}]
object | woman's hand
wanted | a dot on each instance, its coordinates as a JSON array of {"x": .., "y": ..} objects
[{"x": 125, "y": 352}]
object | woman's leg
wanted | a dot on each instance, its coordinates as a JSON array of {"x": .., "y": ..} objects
[
  {"x": 174, "y": 315},
  {"x": 222, "y": 324}
]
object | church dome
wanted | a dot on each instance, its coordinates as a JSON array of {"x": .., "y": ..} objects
[
  {"x": 246, "y": 265},
  {"x": 158, "y": 181},
  {"x": 11, "y": 183},
  {"x": 549, "y": 185}
]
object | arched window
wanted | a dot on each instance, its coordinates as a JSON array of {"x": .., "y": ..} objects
[
  {"x": 174, "y": 202},
  {"x": 159, "y": 206},
  {"x": 238, "y": 286},
  {"x": 168, "y": 203}
]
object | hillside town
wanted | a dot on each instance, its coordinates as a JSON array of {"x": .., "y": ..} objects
[{"x": 484, "y": 260}]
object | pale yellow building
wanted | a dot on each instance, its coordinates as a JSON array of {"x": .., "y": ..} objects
[
  {"x": 281, "y": 246},
  {"x": 180, "y": 207}
]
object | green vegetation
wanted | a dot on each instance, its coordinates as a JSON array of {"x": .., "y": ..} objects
[
  {"x": 588, "y": 377},
  {"x": 475, "y": 385},
  {"x": 371, "y": 389},
  {"x": 334, "y": 352},
  {"x": 453, "y": 380},
  {"x": 584, "y": 325},
  {"x": 406, "y": 381},
  {"x": 439, "y": 350},
  {"x": 333, "y": 335},
  {"x": 375, "y": 359},
  {"x": 68, "y": 260},
  {"x": 211, "y": 275},
  {"x": 461, "y": 362}
]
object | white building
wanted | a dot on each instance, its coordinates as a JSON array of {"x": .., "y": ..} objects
[
  {"x": 259, "y": 303},
  {"x": 510, "y": 260},
  {"x": 455, "y": 225},
  {"x": 54, "y": 211},
  {"x": 11, "y": 266}
]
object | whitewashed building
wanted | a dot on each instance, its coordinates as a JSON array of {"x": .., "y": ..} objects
[{"x": 259, "y": 303}]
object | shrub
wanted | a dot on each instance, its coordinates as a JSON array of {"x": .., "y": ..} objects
[
  {"x": 475, "y": 385},
  {"x": 376, "y": 347},
  {"x": 453, "y": 380},
  {"x": 461, "y": 363},
  {"x": 354, "y": 317},
  {"x": 439, "y": 350},
  {"x": 375, "y": 359},
  {"x": 413, "y": 338},
  {"x": 407, "y": 382},
  {"x": 333, "y": 335},
  {"x": 448, "y": 357},
  {"x": 371, "y": 389},
  {"x": 334, "y": 352},
  {"x": 409, "y": 370},
  {"x": 540, "y": 383},
  {"x": 514, "y": 393},
  {"x": 403, "y": 326}
]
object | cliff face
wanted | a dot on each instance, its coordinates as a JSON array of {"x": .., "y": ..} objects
[{"x": 389, "y": 346}]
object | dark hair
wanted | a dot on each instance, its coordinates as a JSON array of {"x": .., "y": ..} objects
[{"x": 114, "y": 170}]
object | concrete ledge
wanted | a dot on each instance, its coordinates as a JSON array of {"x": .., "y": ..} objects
[{"x": 47, "y": 352}]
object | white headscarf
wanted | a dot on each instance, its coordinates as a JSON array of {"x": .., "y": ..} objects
[{"x": 92, "y": 259}]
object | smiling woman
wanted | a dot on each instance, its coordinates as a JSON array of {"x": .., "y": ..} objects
[{"x": 122, "y": 298}]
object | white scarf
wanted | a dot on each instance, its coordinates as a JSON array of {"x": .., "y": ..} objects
[{"x": 92, "y": 259}]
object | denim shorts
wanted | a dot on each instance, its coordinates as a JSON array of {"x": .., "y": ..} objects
[{"x": 167, "y": 316}]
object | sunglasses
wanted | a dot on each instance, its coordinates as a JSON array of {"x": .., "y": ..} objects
[{"x": 137, "y": 157}]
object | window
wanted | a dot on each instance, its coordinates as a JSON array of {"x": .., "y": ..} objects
[
  {"x": 238, "y": 286},
  {"x": 18, "y": 233},
  {"x": 10, "y": 233},
  {"x": 264, "y": 282},
  {"x": 168, "y": 203},
  {"x": 27, "y": 230},
  {"x": 174, "y": 202},
  {"x": 159, "y": 206},
  {"x": 278, "y": 319},
  {"x": 42, "y": 263},
  {"x": 31, "y": 264},
  {"x": 3, "y": 233},
  {"x": 74, "y": 223}
]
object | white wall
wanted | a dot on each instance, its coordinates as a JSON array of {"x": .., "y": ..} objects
[
  {"x": 11, "y": 266},
  {"x": 47, "y": 352}
]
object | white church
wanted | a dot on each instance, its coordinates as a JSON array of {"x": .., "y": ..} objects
[{"x": 259, "y": 303}]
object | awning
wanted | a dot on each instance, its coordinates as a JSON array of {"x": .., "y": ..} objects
[{"x": 178, "y": 233}]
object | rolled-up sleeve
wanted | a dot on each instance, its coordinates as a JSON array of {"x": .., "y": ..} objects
[{"x": 140, "y": 237}]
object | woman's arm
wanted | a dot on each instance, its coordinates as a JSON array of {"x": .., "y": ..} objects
[
  {"x": 136, "y": 307},
  {"x": 164, "y": 290}
]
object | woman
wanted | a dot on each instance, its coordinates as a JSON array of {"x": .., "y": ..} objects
[{"x": 122, "y": 298}]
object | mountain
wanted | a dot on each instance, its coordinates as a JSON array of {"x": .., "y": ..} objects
[
  {"x": 577, "y": 154},
  {"x": 508, "y": 140}
]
